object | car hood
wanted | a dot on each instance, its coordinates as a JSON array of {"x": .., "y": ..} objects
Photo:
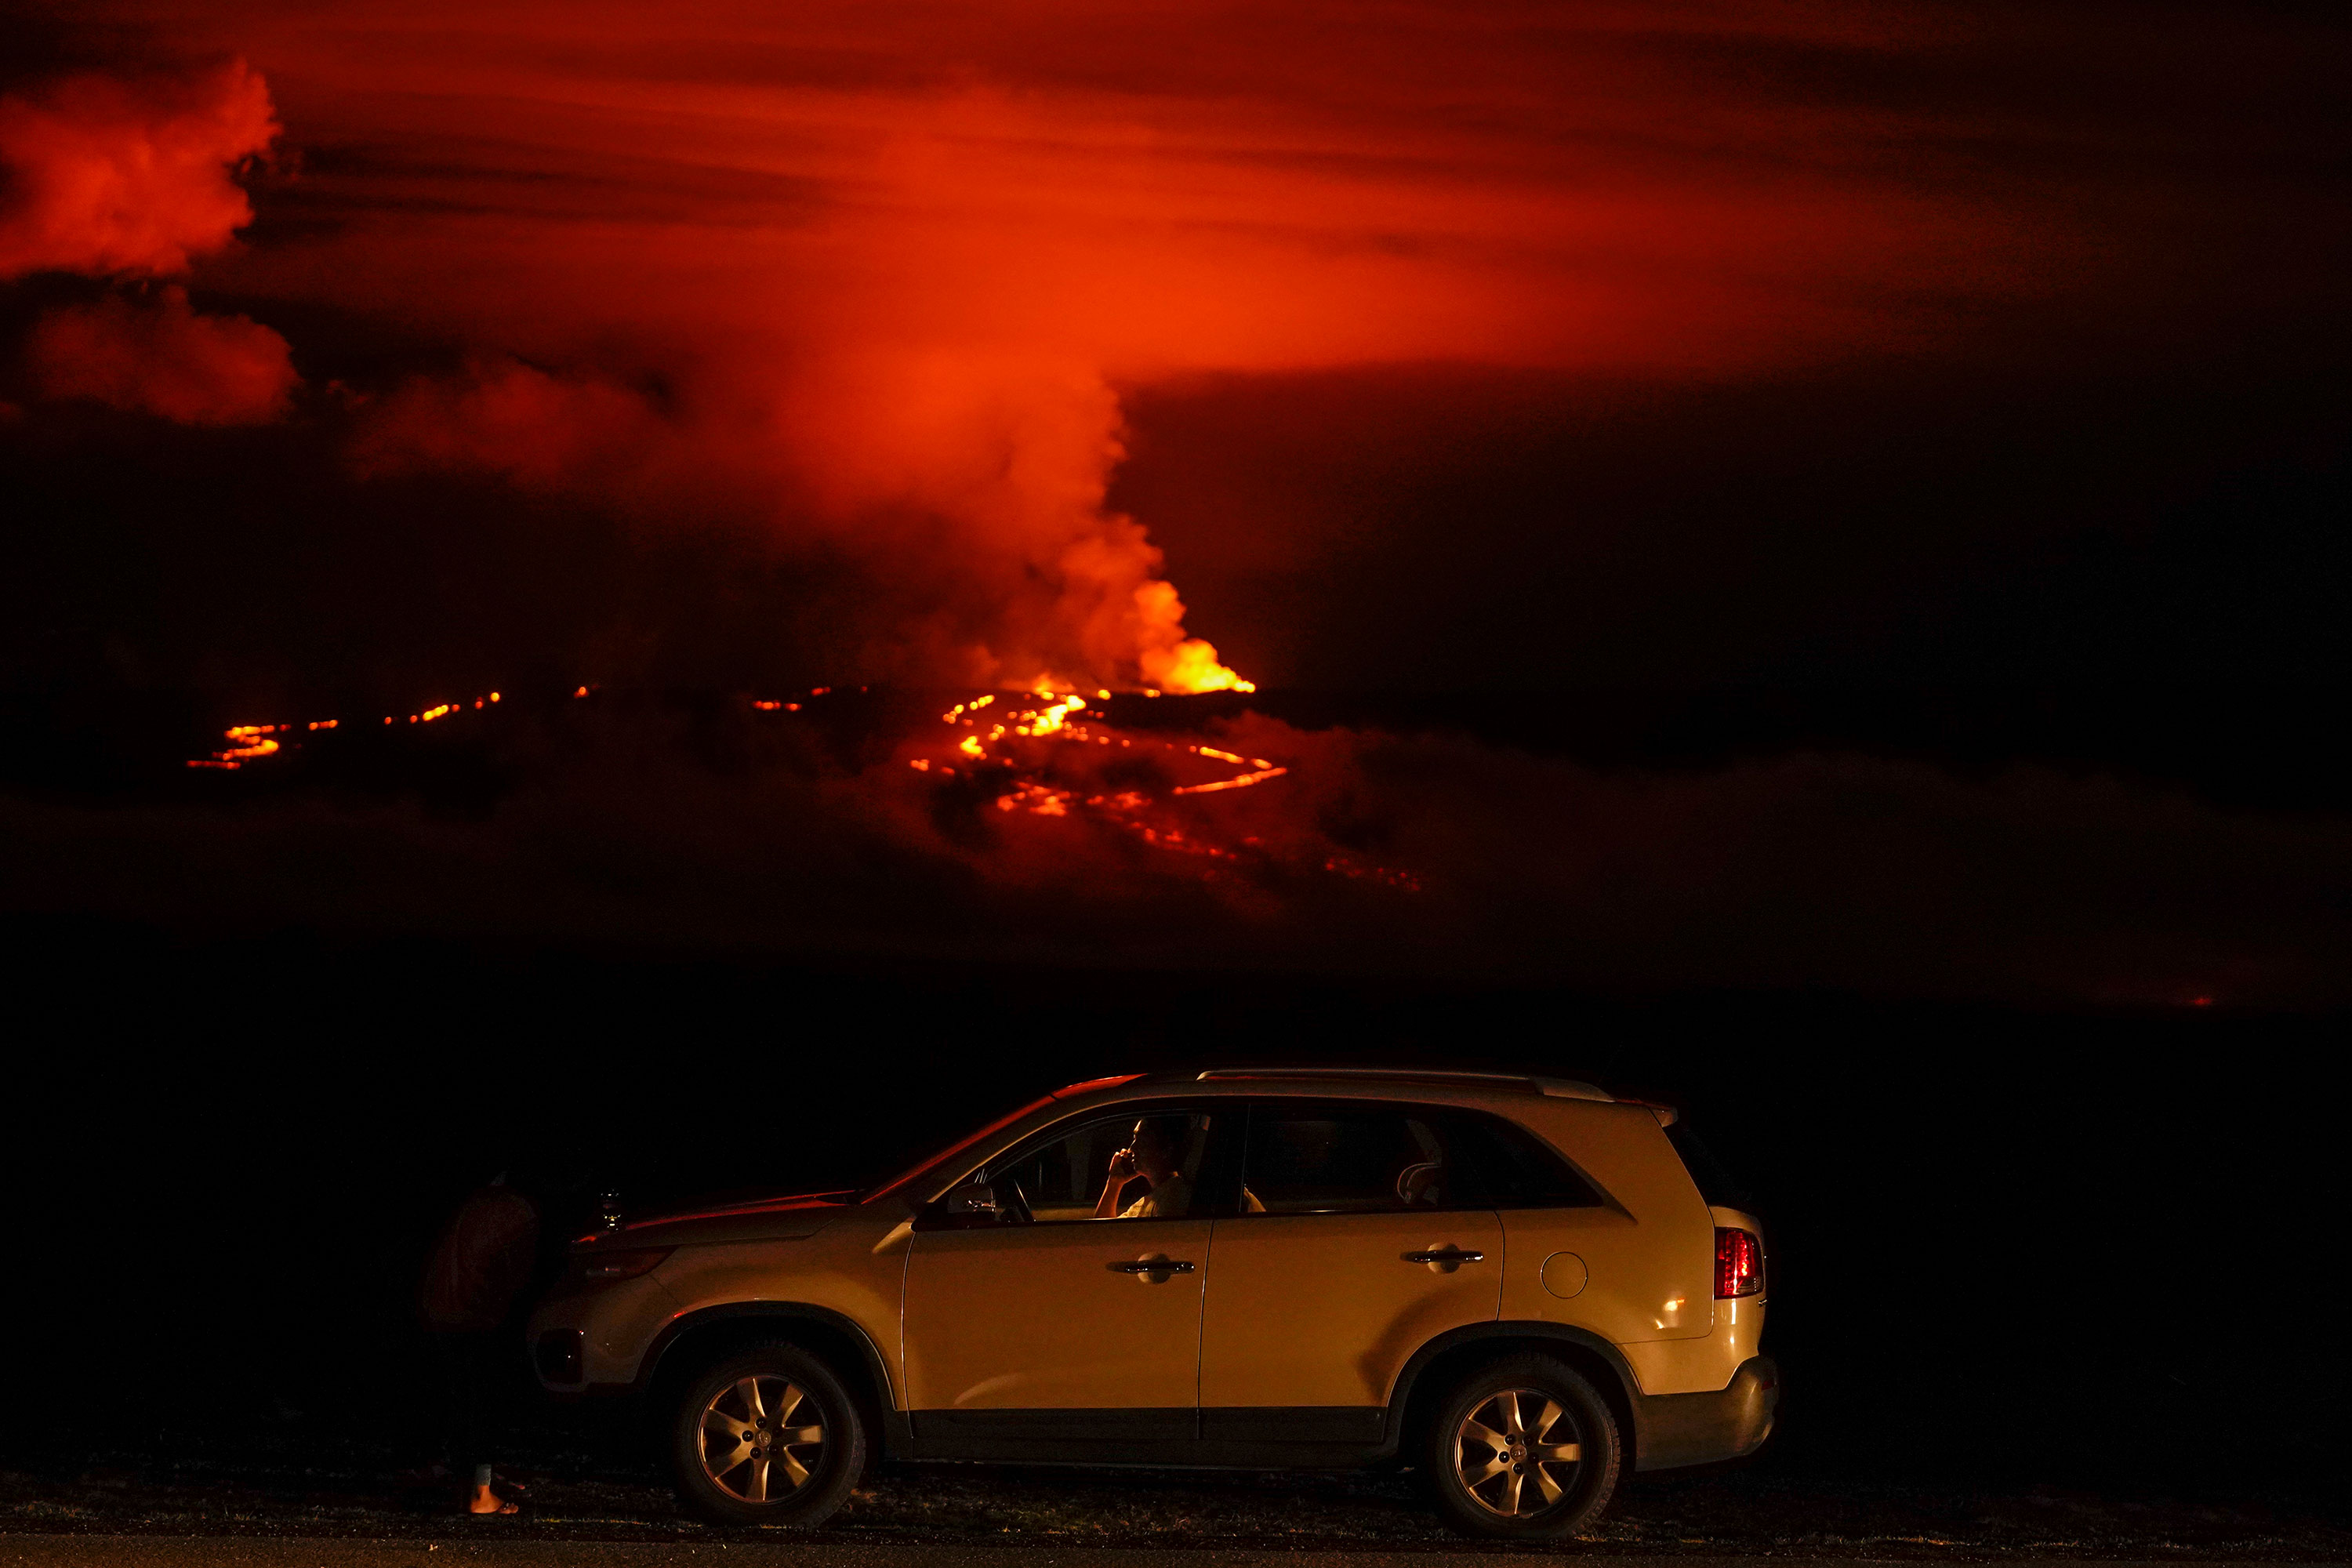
[{"x": 784, "y": 1217}]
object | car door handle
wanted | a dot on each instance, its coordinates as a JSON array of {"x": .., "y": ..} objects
[
  {"x": 1153, "y": 1266},
  {"x": 1445, "y": 1255}
]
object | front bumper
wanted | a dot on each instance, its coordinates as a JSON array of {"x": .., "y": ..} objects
[
  {"x": 1673, "y": 1431},
  {"x": 597, "y": 1338}
]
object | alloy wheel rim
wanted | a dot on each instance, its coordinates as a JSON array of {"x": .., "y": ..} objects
[
  {"x": 760, "y": 1438},
  {"x": 1515, "y": 1453}
]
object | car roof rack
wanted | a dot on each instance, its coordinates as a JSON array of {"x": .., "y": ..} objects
[{"x": 1556, "y": 1087}]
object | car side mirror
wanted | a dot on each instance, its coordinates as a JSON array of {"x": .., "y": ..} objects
[{"x": 974, "y": 1203}]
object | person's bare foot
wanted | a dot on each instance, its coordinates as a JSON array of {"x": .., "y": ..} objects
[{"x": 485, "y": 1500}]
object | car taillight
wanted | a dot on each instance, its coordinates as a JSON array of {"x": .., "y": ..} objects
[
  {"x": 604, "y": 1267},
  {"x": 1738, "y": 1263}
]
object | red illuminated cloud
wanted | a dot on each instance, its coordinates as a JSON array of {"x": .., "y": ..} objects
[
  {"x": 1144, "y": 189},
  {"x": 889, "y": 268},
  {"x": 543, "y": 432},
  {"x": 163, "y": 358},
  {"x": 112, "y": 177}
]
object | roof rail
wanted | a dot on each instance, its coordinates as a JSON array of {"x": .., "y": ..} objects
[{"x": 1557, "y": 1088}]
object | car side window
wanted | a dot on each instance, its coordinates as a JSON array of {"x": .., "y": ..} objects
[
  {"x": 1340, "y": 1159},
  {"x": 1138, "y": 1162},
  {"x": 1365, "y": 1158}
]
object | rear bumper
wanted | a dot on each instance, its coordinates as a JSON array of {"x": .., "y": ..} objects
[{"x": 1673, "y": 1431}]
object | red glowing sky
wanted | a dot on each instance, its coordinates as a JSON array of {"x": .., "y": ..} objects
[
  {"x": 1136, "y": 191},
  {"x": 880, "y": 284}
]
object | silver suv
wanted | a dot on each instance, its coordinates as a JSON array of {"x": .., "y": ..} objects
[{"x": 1511, "y": 1284}]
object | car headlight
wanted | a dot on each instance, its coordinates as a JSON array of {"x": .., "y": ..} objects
[{"x": 602, "y": 1268}]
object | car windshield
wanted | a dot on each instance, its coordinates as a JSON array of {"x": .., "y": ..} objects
[{"x": 952, "y": 1149}]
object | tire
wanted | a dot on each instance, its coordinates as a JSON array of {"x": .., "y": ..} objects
[
  {"x": 767, "y": 1436},
  {"x": 1552, "y": 1464}
]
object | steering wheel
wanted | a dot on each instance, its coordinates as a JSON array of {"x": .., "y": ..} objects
[{"x": 1016, "y": 1201}]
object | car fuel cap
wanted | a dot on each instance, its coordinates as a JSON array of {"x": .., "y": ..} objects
[{"x": 1564, "y": 1274}]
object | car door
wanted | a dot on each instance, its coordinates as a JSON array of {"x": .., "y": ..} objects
[
  {"x": 1046, "y": 1323},
  {"x": 1349, "y": 1256}
]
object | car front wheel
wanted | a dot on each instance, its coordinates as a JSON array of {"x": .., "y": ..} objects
[
  {"x": 767, "y": 1436},
  {"x": 1522, "y": 1450}
]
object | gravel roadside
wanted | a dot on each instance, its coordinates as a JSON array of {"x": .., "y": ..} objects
[{"x": 914, "y": 1514}]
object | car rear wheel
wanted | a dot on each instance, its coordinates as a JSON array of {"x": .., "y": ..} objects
[
  {"x": 1522, "y": 1450},
  {"x": 767, "y": 1436}
]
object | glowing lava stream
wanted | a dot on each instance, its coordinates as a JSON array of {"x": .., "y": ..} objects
[
  {"x": 1042, "y": 714},
  {"x": 1052, "y": 717},
  {"x": 250, "y": 742},
  {"x": 993, "y": 727}
]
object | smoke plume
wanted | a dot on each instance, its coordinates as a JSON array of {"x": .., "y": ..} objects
[
  {"x": 109, "y": 176},
  {"x": 127, "y": 179},
  {"x": 163, "y": 357}
]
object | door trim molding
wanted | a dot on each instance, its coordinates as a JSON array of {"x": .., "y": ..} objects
[
  {"x": 1140, "y": 1425},
  {"x": 1271, "y": 1436}
]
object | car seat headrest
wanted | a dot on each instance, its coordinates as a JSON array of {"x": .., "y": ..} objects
[{"x": 1418, "y": 1183}]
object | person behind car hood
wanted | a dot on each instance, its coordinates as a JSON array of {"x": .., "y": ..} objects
[{"x": 477, "y": 1271}]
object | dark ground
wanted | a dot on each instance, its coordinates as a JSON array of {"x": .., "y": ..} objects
[
  {"x": 2044, "y": 1279},
  {"x": 930, "y": 1510},
  {"x": 495, "y": 1550}
]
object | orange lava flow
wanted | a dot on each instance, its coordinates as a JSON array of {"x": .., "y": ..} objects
[
  {"x": 1242, "y": 782},
  {"x": 1037, "y": 755},
  {"x": 249, "y": 742},
  {"x": 1003, "y": 749}
]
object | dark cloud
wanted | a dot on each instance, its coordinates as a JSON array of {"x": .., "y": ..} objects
[{"x": 161, "y": 357}]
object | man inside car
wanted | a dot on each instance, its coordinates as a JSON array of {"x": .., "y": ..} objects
[{"x": 1152, "y": 1152}]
